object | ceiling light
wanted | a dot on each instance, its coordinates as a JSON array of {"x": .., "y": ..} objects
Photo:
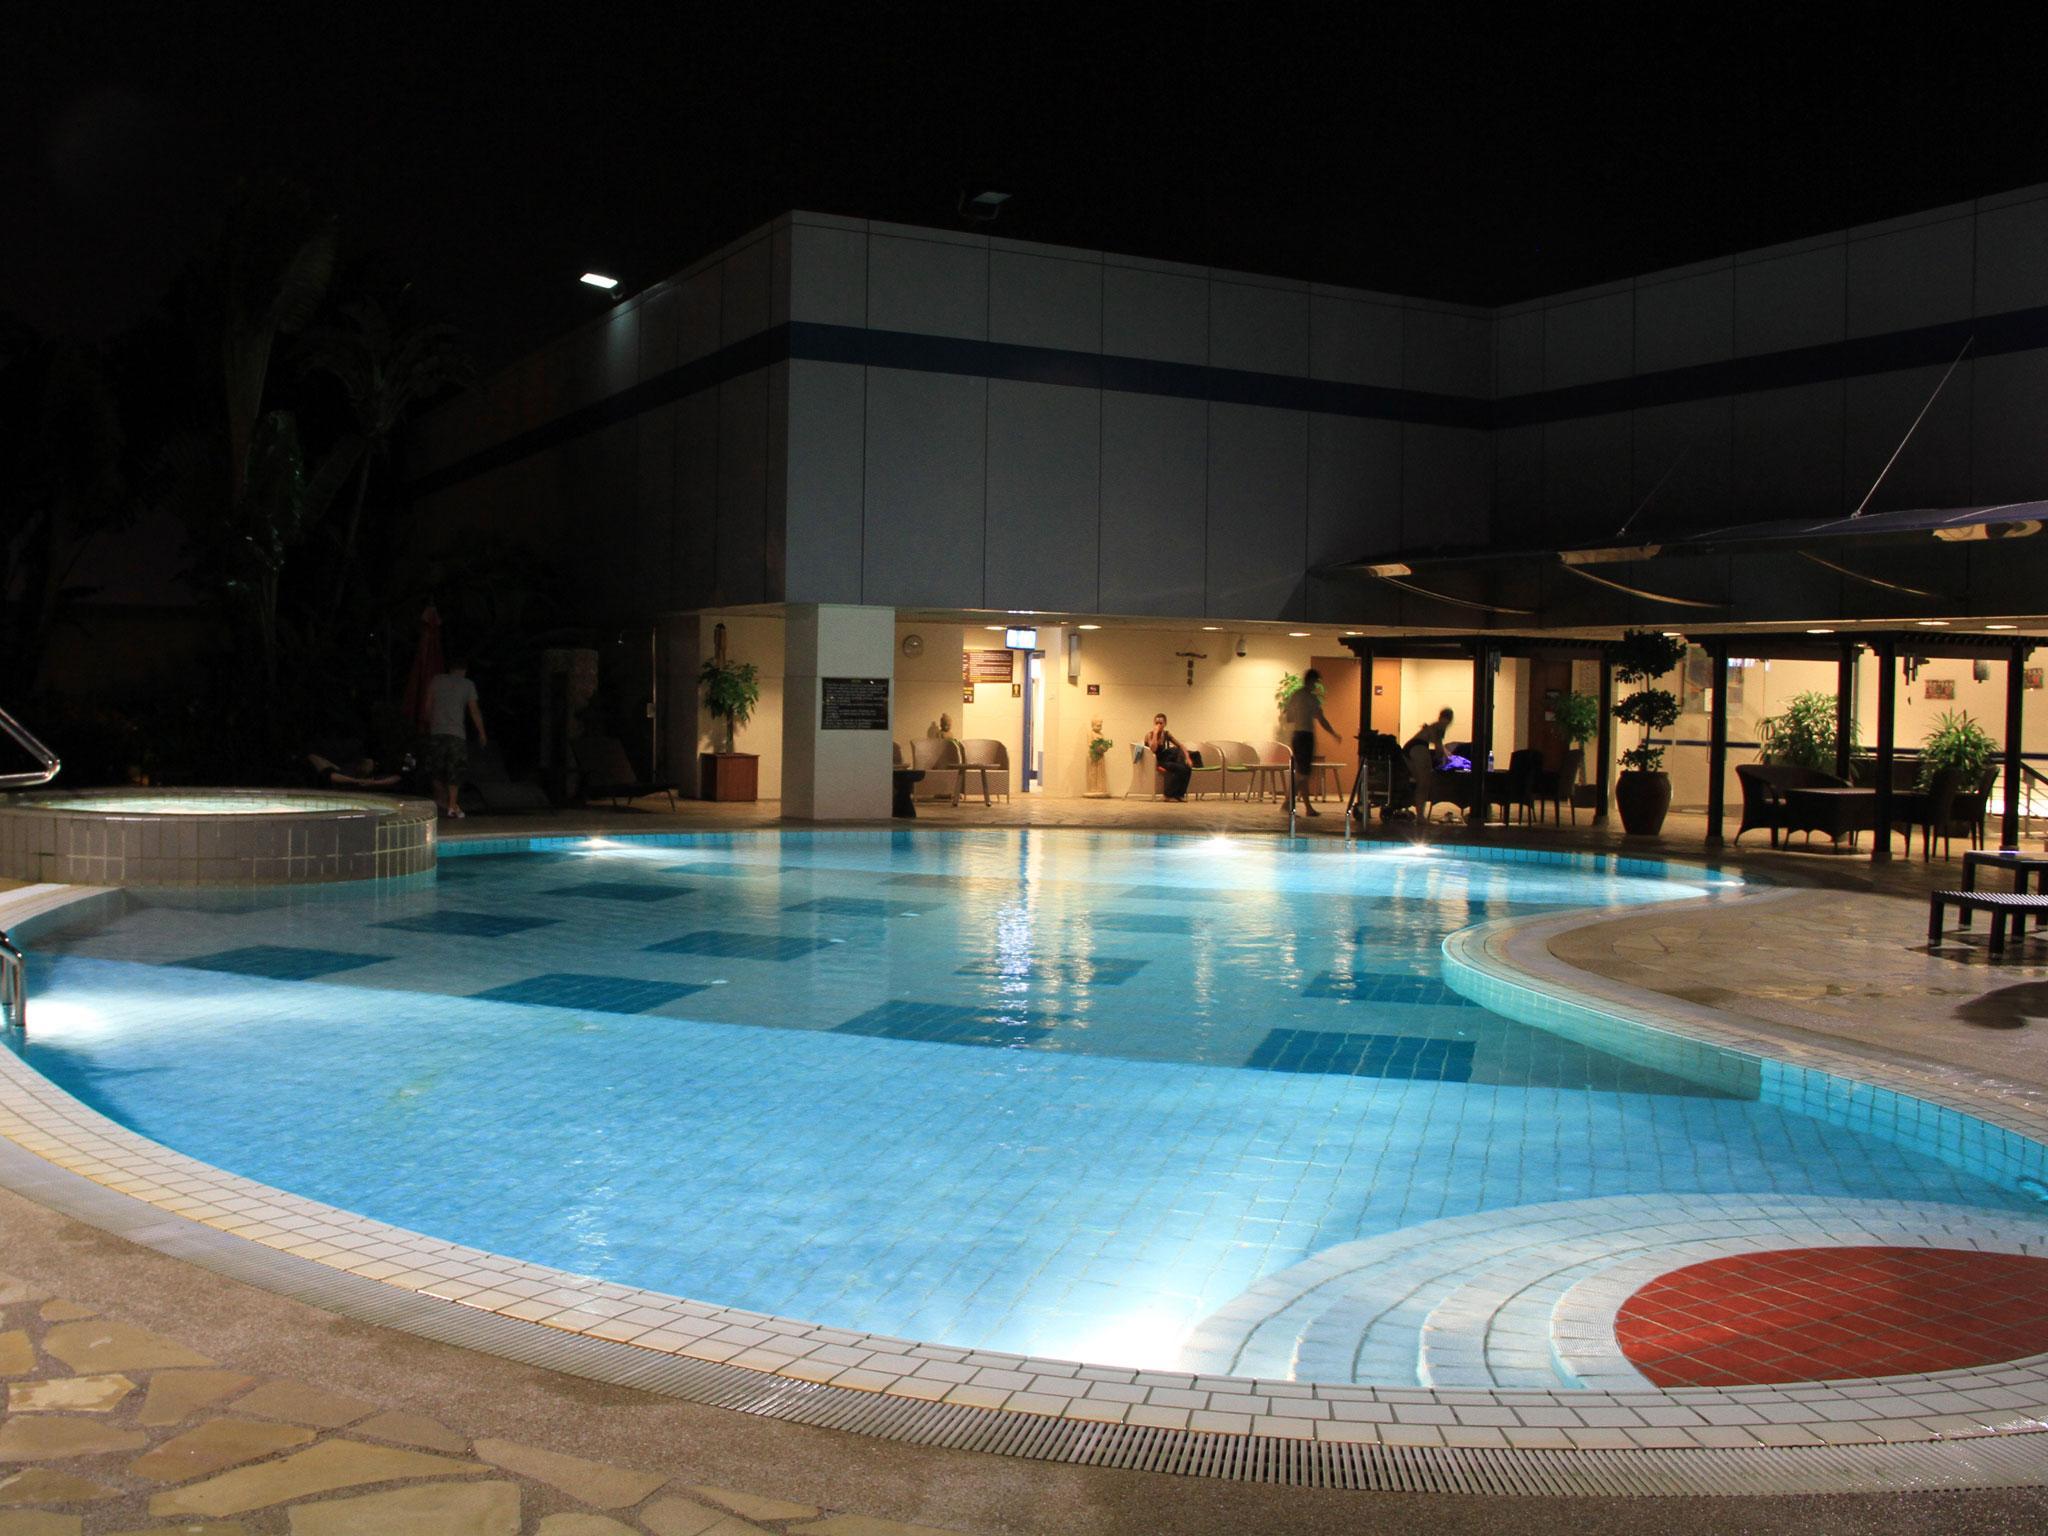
[
  {"x": 1210, "y": 629},
  {"x": 1932, "y": 623},
  {"x": 1820, "y": 631},
  {"x": 1087, "y": 626},
  {"x": 1297, "y": 634},
  {"x": 2001, "y": 626},
  {"x": 998, "y": 628},
  {"x": 1672, "y": 634},
  {"x": 599, "y": 280}
]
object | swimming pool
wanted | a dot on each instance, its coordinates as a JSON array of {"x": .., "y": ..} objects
[{"x": 1066, "y": 1095}]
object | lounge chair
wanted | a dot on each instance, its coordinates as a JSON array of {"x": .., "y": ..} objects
[
  {"x": 1241, "y": 767},
  {"x": 938, "y": 758},
  {"x": 1206, "y": 776},
  {"x": 1144, "y": 772},
  {"x": 608, "y": 774},
  {"x": 490, "y": 788}
]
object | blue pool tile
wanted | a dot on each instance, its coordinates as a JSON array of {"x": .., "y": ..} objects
[
  {"x": 619, "y": 890},
  {"x": 280, "y": 962},
  {"x": 1386, "y": 987},
  {"x": 741, "y": 946},
  {"x": 470, "y": 925},
  {"x": 1140, "y": 922},
  {"x": 1175, "y": 893},
  {"x": 734, "y": 871},
  {"x": 1087, "y": 971},
  {"x": 949, "y": 1024},
  {"x": 1337, "y": 1054},
  {"x": 598, "y": 994},
  {"x": 852, "y": 906}
]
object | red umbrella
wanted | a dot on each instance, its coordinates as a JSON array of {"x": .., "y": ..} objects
[{"x": 426, "y": 666}]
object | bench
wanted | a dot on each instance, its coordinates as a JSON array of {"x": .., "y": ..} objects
[{"x": 2000, "y": 904}]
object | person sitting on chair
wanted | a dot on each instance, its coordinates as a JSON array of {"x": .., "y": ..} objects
[
  {"x": 1172, "y": 758},
  {"x": 1424, "y": 752}
]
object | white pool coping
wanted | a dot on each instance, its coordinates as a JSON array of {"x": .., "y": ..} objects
[{"x": 1504, "y": 964}]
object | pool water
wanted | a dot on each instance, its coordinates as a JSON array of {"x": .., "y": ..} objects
[{"x": 1058, "y": 1094}]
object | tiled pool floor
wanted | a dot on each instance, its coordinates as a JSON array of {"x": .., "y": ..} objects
[{"x": 1063, "y": 1100}]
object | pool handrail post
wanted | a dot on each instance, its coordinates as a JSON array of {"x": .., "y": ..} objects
[
  {"x": 48, "y": 763},
  {"x": 13, "y": 984}
]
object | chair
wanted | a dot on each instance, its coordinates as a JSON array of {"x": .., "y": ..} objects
[
  {"x": 939, "y": 759},
  {"x": 498, "y": 792},
  {"x": 1946, "y": 810},
  {"x": 985, "y": 756},
  {"x": 608, "y": 773},
  {"x": 1558, "y": 787},
  {"x": 1144, "y": 772},
  {"x": 1241, "y": 766},
  {"x": 1763, "y": 796},
  {"x": 1207, "y": 775},
  {"x": 1517, "y": 786}
]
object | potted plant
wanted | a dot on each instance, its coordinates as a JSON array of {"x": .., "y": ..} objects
[
  {"x": 731, "y": 690},
  {"x": 1577, "y": 718},
  {"x": 1643, "y": 789},
  {"x": 1804, "y": 736},
  {"x": 1290, "y": 685},
  {"x": 1959, "y": 747}
]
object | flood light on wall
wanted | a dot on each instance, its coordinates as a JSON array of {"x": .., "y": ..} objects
[
  {"x": 982, "y": 207},
  {"x": 599, "y": 280}
]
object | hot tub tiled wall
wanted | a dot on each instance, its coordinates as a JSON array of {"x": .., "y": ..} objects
[{"x": 317, "y": 840}]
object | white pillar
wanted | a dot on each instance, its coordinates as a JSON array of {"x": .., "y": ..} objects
[{"x": 835, "y": 774}]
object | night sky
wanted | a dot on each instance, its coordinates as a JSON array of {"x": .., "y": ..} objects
[{"x": 1455, "y": 152}]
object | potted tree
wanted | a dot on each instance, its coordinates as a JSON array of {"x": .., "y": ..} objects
[
  {"x": 731, "y": 690},
  {"x": 1577, "y": 718},
  {"x": 1643, "y": 789},
  {"x": 1959, "y": 747}
]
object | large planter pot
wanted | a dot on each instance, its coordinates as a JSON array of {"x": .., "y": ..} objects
[
  {"x": 1644, "y": 799},
  {"x": 729, "y": 775}
]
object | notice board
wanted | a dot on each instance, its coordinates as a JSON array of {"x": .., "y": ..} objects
[
  {"x": 987, "y": 666},
  {"x": 855, "y": 704}
]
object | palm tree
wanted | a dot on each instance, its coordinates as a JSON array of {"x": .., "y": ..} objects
[{"x": 385, "y": 367}]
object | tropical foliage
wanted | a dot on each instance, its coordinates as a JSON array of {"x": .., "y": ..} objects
[
  {"x": 1290, "y": 685},
  {"x": 731, "y": 690},
  {"x": 1804, "y": 735},
  {"x": 1959, "y": 747},
  {"x": 1577, "y": 716}
]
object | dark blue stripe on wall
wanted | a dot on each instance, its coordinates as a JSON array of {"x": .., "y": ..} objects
[{"x": 1928, "y": 346}]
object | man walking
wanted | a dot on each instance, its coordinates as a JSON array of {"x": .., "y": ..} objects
[
  {"x": 449, "y": 697},
  {"x": 1302, "y": 712}
]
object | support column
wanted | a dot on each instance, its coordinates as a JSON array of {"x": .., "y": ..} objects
[
  {"x": 1483, "y": 659},
  {"x": 1845, "y": 709},
  {"x": 1603, "y": 779},
  {"x": 1887, "y": 720},
  {"x": 839, "y": 772},
  {"x": 1717, "y": 742},
  {"x": 2015, "y": 702},
  {"x": 1364, "y": 654}
]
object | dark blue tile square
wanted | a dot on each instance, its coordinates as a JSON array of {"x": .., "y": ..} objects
[
  {"x": 470, "y": 925},
  {"x": 620, "y": 890},
  {"x": 741, "y": 946},
  {"x": 1174, "y": 893},
  {"x": 731, "y": 871},
  {"x": 1386, "y": 987},
  {"x": 280, "y": 962},
  {"x": 1333, "y": 1053},
  {"x": 950, "y": 1024},
  {"x": 471, "y": 866},
  {"x": 594, "y": 994},
  {"x": 1141, "y": 922}
]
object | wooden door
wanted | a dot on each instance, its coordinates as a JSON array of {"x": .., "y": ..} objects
[
  {"x": 1386, "y": 697},
  {"x": 1548, "y": 681}
]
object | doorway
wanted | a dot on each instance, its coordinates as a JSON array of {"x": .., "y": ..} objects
[{"x": 1034, "y": 723}]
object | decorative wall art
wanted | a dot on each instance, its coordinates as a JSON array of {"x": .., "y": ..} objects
[{"x": 1941, "y": 688}]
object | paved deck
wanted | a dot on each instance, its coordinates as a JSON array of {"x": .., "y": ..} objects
[{"x": 305, "y": 1418}]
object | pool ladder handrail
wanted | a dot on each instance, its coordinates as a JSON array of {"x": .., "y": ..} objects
[
  {"x": 48, "y": 762},
  {"x": 13, "y": 984}
]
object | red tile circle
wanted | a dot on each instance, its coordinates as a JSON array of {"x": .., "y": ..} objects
[{"x": 1815, "y": 1314}]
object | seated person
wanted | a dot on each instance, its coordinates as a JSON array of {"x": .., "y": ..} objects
[
  {"x": 1172, "y": 758},
  {"x": 362, "y": 774},
  {"x": 1424, "y": 753}
]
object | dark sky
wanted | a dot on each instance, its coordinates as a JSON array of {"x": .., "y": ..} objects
[{"x": 1473, "y": 152}]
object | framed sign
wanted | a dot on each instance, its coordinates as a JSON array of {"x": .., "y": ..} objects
[
  {"x": 1941, "y": 688},
  {"x": 987, "y": 666},
  {"x": 855, "y": 704},
  {"x": 2031, "y": 678}
]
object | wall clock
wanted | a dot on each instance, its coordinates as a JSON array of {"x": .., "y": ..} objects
[{"x": 913, "y": 645}]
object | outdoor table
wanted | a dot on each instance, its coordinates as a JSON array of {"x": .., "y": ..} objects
[
  {"x": 1851, "y": 809},
  {"x": 2022, "y": 865}
]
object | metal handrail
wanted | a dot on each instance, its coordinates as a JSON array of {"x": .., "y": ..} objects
[
  {"x": 13, "y": 984},
  {"x": 25, "y": 738}
]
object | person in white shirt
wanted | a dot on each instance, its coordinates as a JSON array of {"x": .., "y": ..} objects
[
  {"x": 1302, "y": 712},
  {"x": 449, "y": 697}
]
